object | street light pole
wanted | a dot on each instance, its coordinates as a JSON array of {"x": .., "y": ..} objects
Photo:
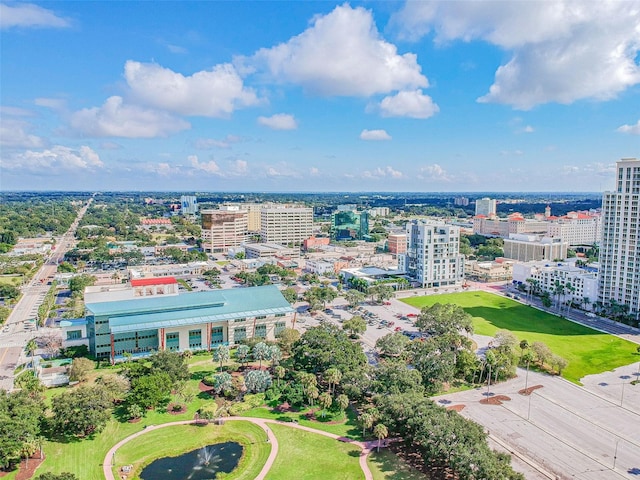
[
  {"x": 622, "y": 394},
  {"x": 615, "y": 454},
  {"x": 529, "y": 409}
]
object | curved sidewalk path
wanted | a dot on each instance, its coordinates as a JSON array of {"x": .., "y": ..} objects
[{"x": 366, "y": 447}]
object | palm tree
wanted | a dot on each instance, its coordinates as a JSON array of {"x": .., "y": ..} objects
[
  {"x": 30, "y": 349},
  {"x": 279, "y": 373},
  {"x": 366, "y": 419},
  {"x": 380, "y": 431},
  {"x": 343, "y": 402},
  {"x": 325, "y": 401},
  {"x": 524, "y": 344},
  {"x": 221, "y": 354},
  {"x": 333, "y": 376}
]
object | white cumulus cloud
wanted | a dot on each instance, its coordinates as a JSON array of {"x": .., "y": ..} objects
[
  {"x": 213, "y": 93},
  {"x": 386, "y": 172},
  {"x": 15, "y": 133},
  {"x": 632, "y": 129},
  {"x": 562, "y": 50},
  {"x": 208, "y": 143},
  {"x": 210, "y": 167},
  {"x": 340, "y": 54},
  {"x": 280, "y": 121},
  {"x": 374, "y": 135},
  {"x": 29, "y": 15},
  {"x": 118, "y": 119},
  {"x": 434, "y": 172},
  {"x": 413, "y": 104},
  {"x": 54, "y": 159}
]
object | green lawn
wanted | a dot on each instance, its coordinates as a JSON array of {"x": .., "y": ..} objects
[
  {"x": 386, "y": 465},
  {"x": 309, "y": 456},
  {"x": 176, "y": 440},
  {"x": 348, "y": 428},
  {"x": 587, "y": 351},
  {"x": 14, "y": 280}
]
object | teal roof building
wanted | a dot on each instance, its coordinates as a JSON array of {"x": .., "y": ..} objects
[{"x": 189, "y": 321}]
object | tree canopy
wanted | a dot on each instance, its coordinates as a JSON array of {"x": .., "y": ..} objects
[{"x": 326, "y": 346}]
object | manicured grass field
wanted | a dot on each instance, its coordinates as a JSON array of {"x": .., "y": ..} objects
[
  {"x": 587, "y": 351},
  {"x": 309, "y": 456},
  {"x": 14, "y": 280},
  {"x": 179, "y": 439},
  {"x": 334, "y": 424},
  {"x": 386, "y": 465}
]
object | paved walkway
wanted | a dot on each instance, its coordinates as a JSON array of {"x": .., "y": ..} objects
[{"x": 367, "y": 447}]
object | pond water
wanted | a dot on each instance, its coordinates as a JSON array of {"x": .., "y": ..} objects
[{"x": 201, "y": 464}]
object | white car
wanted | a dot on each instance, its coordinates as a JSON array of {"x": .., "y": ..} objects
[{"x": 590, "y": 315}]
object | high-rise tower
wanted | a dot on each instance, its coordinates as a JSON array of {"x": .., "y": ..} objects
[{"x": 619, "y": 277}]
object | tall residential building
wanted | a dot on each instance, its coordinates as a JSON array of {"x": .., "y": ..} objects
[
  {"x": 188, "y": 205},
  {"x": 433, "y": 257},
  {"x": 349, "y": 225},
  {"x": 486, "y": 206},
  {"x": 619, "y": 278},
  {"x": 224, "y": 228},
  {"x": 285, "y": 224}
]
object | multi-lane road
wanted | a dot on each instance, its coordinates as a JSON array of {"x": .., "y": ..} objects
[{"x": 19, "y": 328}]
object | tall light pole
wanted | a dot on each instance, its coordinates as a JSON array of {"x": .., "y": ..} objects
[
  {"x": 529, "y": 409},
  {"x": 615, "y": 454},
  {"x": 622, "y": 394}
]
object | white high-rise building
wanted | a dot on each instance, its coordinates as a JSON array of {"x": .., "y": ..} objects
[
  {"x": 188, "y": 205},
  {"x": 433, "y": 257},
  {"x": 285, "y": 224},
  {"x": 620, "y": 248},
  {"x": 486, "y": 206}
]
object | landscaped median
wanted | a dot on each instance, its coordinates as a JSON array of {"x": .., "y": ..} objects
[{"x": 588, "y": 351}]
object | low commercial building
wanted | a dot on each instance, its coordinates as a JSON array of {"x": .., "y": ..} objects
[
  {"x": 178, "y": 270},
  {"x": 529, "y": 248},
  {"x": 397, "y": 243},
  {"x": 496, "y": 271},
  {"x": 270, "y": 250},
  {"x": 190, "y": 321}
]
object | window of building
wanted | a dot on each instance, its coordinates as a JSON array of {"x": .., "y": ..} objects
[
  {"x": 195, "y": 339},
  {"x": 173, "y": 341},
  {"x": 261, "y": 331},
  {"x": 239, "y": 334},
  {"x": 280, "y": 326},
  {"x": 217, "y": 336},
  {"x": 74, "y": 334}
]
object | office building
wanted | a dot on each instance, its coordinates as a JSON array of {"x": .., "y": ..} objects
[
  {"x": 190, "y": 321},
  {"x": 286, "y": 224},
  {"x": 397, "y": 243},
  {"x": 486, "y": 206},
  {"x": 461, "y": 201},
  {"x": 433, "y": 257},
  {"x": 619, "y": 279},
  {"x": 224, "y": 228},
  {"x": 349, "y": 225},
  {"x": 529, "y": 248},
  {"x": 188, "y": 205}
]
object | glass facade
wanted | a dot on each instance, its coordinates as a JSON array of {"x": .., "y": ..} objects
[
  {"x": 349, "y": 225},
  {"x": 261, "y": 331},
  {"x": 217, "y": 336},
  {"x": 173, "y": 341},
  {"x": 195, "y": 339}
]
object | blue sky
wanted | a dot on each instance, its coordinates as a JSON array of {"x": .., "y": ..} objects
[{"x": 318, "y": 96}]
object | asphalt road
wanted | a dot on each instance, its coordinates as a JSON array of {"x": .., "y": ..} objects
[
  {"x": 18, "y": 330},
  {"x": 571, "y": 431}
]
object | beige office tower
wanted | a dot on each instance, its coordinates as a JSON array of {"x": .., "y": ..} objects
[
  {"x": 285, "y": 224},
  {"x": 224, "y": 228}
]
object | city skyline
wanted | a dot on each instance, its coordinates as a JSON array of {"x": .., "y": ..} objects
[{"x": 318, "y": 96}]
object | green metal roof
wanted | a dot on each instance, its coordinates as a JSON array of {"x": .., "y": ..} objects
[{"x": 191, "y": 308}]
